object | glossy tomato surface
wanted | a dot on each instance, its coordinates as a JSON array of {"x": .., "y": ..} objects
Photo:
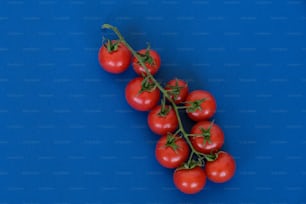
[
  {"x": 114, "y": 61},
  {"x": 141, "y": 100},
  {"x": 152, "y": 62},
  {"x": 171, "y": 151},
  {"x": 162, "y": 122},
  {"x": 205, "y": 109},
  {"x": 190, "y": 181},
  {"x": 210, "y": 139},
  {"x": 222, "y": 169},
  {"x": 177, "y": 89}
]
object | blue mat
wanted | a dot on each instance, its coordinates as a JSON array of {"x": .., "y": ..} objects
[{"x": 68, "y": 136}]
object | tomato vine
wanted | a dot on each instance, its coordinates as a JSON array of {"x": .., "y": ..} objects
[
  {"x": 205, "y": 139},
  {"x": 166, "y": 94}
]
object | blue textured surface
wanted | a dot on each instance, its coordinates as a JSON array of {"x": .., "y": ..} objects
[{"x": 68, "y": 136}]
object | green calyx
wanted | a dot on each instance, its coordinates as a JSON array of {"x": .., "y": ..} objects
[
  {"x": 174, "y": 91},
  {"x": 164, "y": 111},
  {"x": 195, "y": 105},
  {"x": 189, "y": 165},
  {"x": 164, "y": 108},
  {"x": 146, "y": 57},
  {"x": 147, "y": 85},
  {"x": 205, "y": 133},
  {"x": 211, "y": 157},
  {"x": 112, "y": 46},
  {"x": 171, "y": 139}
]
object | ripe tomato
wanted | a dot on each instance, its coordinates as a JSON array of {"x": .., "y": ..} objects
[
  {"x": 222, "y": 169},
  {"x": 201, "y": 105},
  {"x": 190, "y": 181},
  {"x": 161, "y": 121},
  {"x": 151, "y": 60},
  {"x": 114, "y": 57},
  {"x": 171, "y": 151},
  {"x": 211, "y": 139},
  {"x": 177, "y": 89},
  {"x": 139, "y": 99}
]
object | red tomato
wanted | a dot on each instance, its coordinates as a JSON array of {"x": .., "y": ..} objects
[
  {"x": 222, "y": 169},
  {"x": 171, "y": 151},
  {"x": 114, "y": 57},
  {"x": 200, "y": 110},
  {"x": 211, "y": 139},
  {"x": 190, "y": 181},
  {"x": 177, "y": 89},
  {"x": 141, "y": 100},
  {"x": 162, "y": 122},
  {"x": 151, "y": 60}
]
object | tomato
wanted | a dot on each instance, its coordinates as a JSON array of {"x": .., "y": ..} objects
[
  {"x": 171, "y": 151},
  {"x": 114, "y": 57},
  {"x": 190, "y": 181},
  {"x": 151, "y": 59},
  {"x": 211, "y": 137},
  {"x": 177, "y": 89},
  {"x": 139, "y": 99},
  {"x": 201, "y": 105},
  {"x": 222, "y": 169},
  {"x": 161, "y": 121}
]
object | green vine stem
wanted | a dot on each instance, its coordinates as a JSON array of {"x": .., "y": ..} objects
[{"x": 164, "y": 92}]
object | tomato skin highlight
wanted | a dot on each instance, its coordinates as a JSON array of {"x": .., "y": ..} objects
[
  {"x": 222, "y": 169},
  {"x": 183, "y": 90},
  {"x": 144, "y": 101},
  {"x": 153, "y": 68},
  {"x": 216, "y": 137},
  {"x": 116, "y": 61},
  {"x": 208, "y": 107},
  {"x": 167, "y": 156},
  {"x": 162, "y": 124},
  {"x": 190, "y": 181}
]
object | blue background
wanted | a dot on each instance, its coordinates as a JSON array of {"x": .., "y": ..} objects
[{"x": 68, "y": 136}]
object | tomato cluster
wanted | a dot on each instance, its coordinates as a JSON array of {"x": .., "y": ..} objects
[{"x": 195, "y": 156}]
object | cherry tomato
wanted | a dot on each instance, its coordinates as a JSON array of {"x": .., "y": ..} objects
[
  {"x": 171, "y": 151},
  {"x": 161, "y": 121},
  {"x": 222, "y": 169},
  {"x": 114, "y": 57},
  {"x": 177, "y": 89},
  {"x": 211, "y": 137},
  {"x": 139, "y": 99},
  {"x": 151, "y": 60},
  {"x": 190, "y": 181},
  {"x": 201, "y": 105}
]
